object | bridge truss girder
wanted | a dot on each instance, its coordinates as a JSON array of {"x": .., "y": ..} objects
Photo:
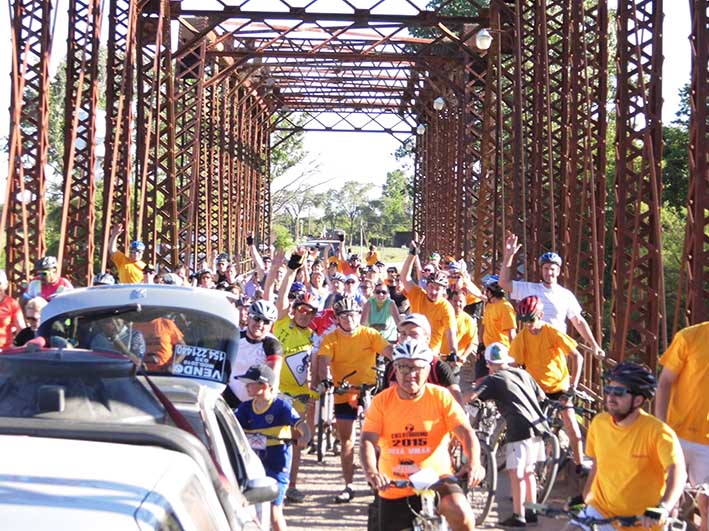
[{"x": 519, "y": 146}]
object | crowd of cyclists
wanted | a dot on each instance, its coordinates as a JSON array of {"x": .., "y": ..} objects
[{"x": 320, "y": 316}]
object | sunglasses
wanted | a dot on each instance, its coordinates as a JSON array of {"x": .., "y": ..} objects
[
  {"x": 381, "y": 292},
  {"x": 32, "y": 319},
  {"x": 305, "y": 310},
  {"x": 349, "y": 282},
  {"x": 616, "y": 390},
  {"x": 527, "y": 318},
  {"x": 261, "y": 319},
  {"x": 408, "y": 369}
]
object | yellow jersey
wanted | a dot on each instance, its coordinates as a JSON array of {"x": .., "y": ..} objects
[
  {"x": 356, "y": 352},
  {"x": 297, "y": 347},
  {"x": 129, "y": 271},
  {"x": 631, "y": 463},
  {"x": 466, "y": 330},
  {"x": 498, "y": 318},
  {"x": 544, "y": 355},
  {"x": 688, "y": 356},
  {"x": 440, "y": 315}
]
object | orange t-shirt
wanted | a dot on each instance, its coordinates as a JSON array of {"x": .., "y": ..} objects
[
  {"x": 413, "y": 434},
  {"x": 8, "y": 309},
  {"x": 161, "y": 335},
  {"x": 440, "y": 315}
]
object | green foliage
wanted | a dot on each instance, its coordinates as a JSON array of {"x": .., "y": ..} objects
[
  {"x": 289, "y": 149},
  {"x": 282, "y": 237},
  {"x": 673, "y": 230}
]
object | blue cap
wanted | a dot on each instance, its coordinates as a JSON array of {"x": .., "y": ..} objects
[{"x": 137, "y": 245}]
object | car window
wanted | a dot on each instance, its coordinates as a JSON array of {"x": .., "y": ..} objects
[
  {"x": 167, "y": 340},
  {"x": 234, "y": 440}
]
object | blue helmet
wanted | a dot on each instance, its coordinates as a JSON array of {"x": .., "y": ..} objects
[
  {"x": 297, "y": 287},
  {"x": 137, "y": 245},
  {"x": 550, "y": 258},
  {"x": 492, "y": 282}
]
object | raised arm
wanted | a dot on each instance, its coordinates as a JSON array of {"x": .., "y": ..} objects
[
  {"x": 294, "y": 263},
  {"x": 255, "y": 255},
  {"x": 279, "y": 258},
  {"x": 116, "y": 231},
  {"x": 508, "y": 253},
  {"x": 407, "y": 265}
]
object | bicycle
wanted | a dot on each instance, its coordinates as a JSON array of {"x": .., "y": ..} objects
[
  {"x": 687, "y": 508},
  {"x": 425, "y": 483},
  {"x": 482, "y": 415},
  {"x": 592, "y": 522}
]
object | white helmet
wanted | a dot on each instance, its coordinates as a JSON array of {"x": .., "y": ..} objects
[
  {"x": 264, "y": 310},
  {"x": 412, "y": 350}
]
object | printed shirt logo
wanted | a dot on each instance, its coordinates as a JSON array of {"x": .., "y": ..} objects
[
  {"x": 298, "y": 365},
  {"x": 268, "y": 418}
]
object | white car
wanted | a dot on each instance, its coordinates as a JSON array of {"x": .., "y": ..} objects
[
  {"x": 56, "y": 476},
  {"x": 187, "y": 337}
]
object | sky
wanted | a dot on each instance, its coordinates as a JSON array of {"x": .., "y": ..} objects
[{"x": 367, "y": 157}]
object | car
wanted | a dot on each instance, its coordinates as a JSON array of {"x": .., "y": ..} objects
[
  {"x": 107, "y": 476},
  {"x": 183, "y": 338}
]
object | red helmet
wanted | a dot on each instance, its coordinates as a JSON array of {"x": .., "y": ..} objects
[
  {"x": 306, "y": 299},
  {"x": 529, "y": 308}
]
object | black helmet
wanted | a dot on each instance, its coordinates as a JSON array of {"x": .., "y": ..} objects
[
  {"x": 346, "y": 305},
  {"x": 635, "y": 377}
]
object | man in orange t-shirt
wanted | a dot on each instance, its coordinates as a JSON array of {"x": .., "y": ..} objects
[
  {"x": 161, "y": 335},
  {"x": 411, "y": 424}
]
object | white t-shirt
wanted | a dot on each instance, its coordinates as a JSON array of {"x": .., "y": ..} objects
[
  {"x": 559, "y": 303},
  {"x": 251, "y": 353}
]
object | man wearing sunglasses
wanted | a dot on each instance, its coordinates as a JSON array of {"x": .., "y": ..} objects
[
  {"x": 292, "y": 329},
  {"x": 544, "y": 351},
  {"x": 351, "y": 349},
  {"x": 638, "y": 467},
  {"x": 256, "y": 346}
]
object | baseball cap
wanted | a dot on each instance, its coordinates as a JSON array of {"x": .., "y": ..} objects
[
  {"x": 497, "y": 354},
  {"x": 417, "y": 319},
  {"x": 259, "y": 374}
]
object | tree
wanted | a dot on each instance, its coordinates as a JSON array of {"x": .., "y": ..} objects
[{"x": 675, "y": 165}]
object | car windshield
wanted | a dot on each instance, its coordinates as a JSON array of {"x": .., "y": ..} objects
[{"x": 165, "y": 340}]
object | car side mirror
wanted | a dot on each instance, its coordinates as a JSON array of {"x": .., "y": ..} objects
[{"x": 260, "y": 490}]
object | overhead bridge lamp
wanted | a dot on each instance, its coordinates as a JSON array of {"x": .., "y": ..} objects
[
  {"x": 483, "y": 39},
  {"x": 439, "y": 103},
  {"x": 420, "y": 129}
]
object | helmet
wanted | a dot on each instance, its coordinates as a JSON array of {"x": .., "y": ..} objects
[
  {"x": 354, "y": 257},
  {"x": 412, "y": 350},
  {"x": 635, "y": 377},
  {"x": 550, "y": 258},
  {"x": 297, "y": 287},
  {"x": 222, "y": 258},
  {"x": 529, "y": 308},
  {"x": 306, "y": 299},
  {"x": 264, "y": 310},
  {"x": 137, "y": 246},
  {"x": 492, "y": 282},
  {"x": 346, "y": 305},
  {"x": 104, "y": 279},
  {"x": 434, "y": 256},
  {"x": 439, "y": 277},
  {"x": 46, "y": 263}
]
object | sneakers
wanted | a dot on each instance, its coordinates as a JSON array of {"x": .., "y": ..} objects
[
  {"x": 513, "y": 521},
  {"x": 531, "y": 517},
  {"x": 345, "y": 496},
  {"x": 293, "y": 495}
]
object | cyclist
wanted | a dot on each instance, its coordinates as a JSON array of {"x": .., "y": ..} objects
[
  {"x": 256, "y": 345},
  {"x": 411, "y": 424},
  {"x": 350, "y": 347},
  {"x": 292, "y": 329},
  {"x": 372, "y": 256},
  {"x": 47, "y": 283},
  {"x": 638, "y": 466},
  {"x": 683, "y": 402},
  {"x": 432, "y": 303},
  {"x": 518, "y": 397},
  {"x": 499, "y": 322},
  {"x": 544, "y": 350},
  {"x": 381, "y": 313},
  {"x": 131, "y": 268},
  {"x": 416, "y": 327},
  {"x": 466, "y": 326},
  {"x": 559, "y": 302}
]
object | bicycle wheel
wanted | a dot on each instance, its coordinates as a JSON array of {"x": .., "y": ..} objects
[
  {"x": 545, "y": 471},
  {"x": 481, "y": 497}
]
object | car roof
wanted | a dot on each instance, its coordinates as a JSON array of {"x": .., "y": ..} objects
[
  {"x": 210, "y": 301},
  {"x": 70, "y": 484},
  {"x": 186, "y": 390}
]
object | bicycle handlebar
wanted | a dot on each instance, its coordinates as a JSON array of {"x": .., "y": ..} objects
[{"x": 626, "y": 521}]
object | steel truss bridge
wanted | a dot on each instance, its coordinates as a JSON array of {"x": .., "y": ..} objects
[{"x": 195, "y": 91}]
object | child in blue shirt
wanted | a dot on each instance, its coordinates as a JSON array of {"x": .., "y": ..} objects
[{"x": 271, "y": 424}]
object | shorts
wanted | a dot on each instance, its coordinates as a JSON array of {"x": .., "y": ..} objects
[
  {"x": 587, "y": 512},
  {"x": 523, "y": 455},
  {"x": 559, "y": 396},
  {"x": 345, "y": 412},
  {"x": 396, "y": 514},
  {"x": 697, "y": 458},
  {"x": 282, "y": 480}
]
